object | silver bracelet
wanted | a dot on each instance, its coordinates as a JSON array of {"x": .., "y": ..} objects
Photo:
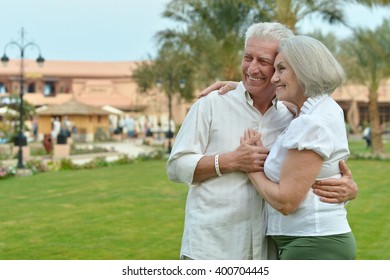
[{"x": 216, "y": 163}]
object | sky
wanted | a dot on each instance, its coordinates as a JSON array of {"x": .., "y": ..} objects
[{"x": 112, "y": 30}]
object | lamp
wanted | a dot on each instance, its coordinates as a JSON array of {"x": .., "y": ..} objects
[{"x": 4, "y": 59}]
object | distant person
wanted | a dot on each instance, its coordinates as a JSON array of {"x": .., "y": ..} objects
[
  {"x": 120, "y": 127},
  {"x": 56, "y": 128},
  {"x": 67, "y": 126},
  {"x": 367, "y": 136},
  {"x": 171, "y": 128},
  {"x": 148, "y": 128},
  {"x": 35, "y": 128},
  {"x": 148, "y": 133},
  {"x": 130, "y": 127}
]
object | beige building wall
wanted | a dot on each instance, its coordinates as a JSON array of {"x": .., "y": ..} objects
[{"x": 110, "y": 83}]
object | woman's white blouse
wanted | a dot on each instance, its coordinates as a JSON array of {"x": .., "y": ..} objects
[{"x": 320, "y": 127}]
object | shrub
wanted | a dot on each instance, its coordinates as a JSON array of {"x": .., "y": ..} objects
[
  {"x": 67, "y": 164},
  {"x": 7, "y": 171},
  {"x": 37, "y": 166},
  {"x": 101, "y": 135},
  {"x": 53, "y": 165}
]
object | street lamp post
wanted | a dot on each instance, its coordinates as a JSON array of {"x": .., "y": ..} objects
[
  {"x": 169, "y": 93},
  {"x": 4, "y": 59}
]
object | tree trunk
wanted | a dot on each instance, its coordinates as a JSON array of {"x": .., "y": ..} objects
[
  {"x": 376, "y": 132},
  {"x": 353, "y": 117}
]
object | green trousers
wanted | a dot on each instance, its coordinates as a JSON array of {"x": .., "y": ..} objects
[{"x": 330, "y": 247}]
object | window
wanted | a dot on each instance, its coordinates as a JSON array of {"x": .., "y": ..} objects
[
  {"x": 3, "y": 88},
  {"x": 49, "y": 89},
  {"x": 31, "y": 88},
  {"x": 64, "y": 86},
  {"x": 363, "y": 111},
  {"x": 384, "y": 113}
]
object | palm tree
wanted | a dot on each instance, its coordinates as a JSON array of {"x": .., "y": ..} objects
[
  {"x": 290, "y": 12},
  {"x": 211, "y": 32},
  {"x": 28, "y": 109},
  {"x": 372, "y": 3},
  {"x": 365, "y": 56}
]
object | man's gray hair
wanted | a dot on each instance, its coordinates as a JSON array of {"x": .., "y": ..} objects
[{"x": 268, "y": 30}]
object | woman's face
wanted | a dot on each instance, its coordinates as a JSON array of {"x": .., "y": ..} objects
[{"x": 286, "y": 82}]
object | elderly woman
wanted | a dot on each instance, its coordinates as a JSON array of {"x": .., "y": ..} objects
[{"x": 310, "y": 148}]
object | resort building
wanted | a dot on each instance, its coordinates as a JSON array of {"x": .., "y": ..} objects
[
  {"x": 107, "y": 86},
  {"x": 95, "y": 96}
]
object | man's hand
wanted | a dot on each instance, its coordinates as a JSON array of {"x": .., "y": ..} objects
[
  {"x": 337, "y": 190},
  {"x": 251, "y": 154},
  {"x": 248, "y": 158},
  {"x": 222, "y": 87}
]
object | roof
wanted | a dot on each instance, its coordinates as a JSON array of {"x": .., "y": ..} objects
[
  {"x": 113, "y": 110},
  {"x": 102, "y": 95},
  {"x": 78, "y": 69},
  {"x": 359, "y": 93},
  {"x": 72, "y": 107},
  {"x": 40, "y": 99}
]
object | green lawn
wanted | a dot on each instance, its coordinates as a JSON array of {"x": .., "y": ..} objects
[
  {"x": 369, "y": 213},
  {"x": 134, "y": 212},
  {"x": 124, "y": 212},
  {"x": 359, "y": 146}
]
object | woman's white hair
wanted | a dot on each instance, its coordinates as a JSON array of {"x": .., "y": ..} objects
[
  {"x": 317, "y": 70},
  {"x": 268, "y": 30}
]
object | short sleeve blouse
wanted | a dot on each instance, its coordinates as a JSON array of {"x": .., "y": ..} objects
[
  {"x": 310, "y": 133},
  {"x": 320, "y": 128}
]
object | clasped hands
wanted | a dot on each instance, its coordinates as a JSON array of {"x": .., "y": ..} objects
[
  {"x": 251, "y": 154},
  {"x": 336, "y": 190}
]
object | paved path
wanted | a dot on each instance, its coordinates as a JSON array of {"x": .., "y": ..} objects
[{"x": 131, "y": 149}]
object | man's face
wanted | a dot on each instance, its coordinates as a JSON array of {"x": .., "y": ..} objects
[{"x": 257, "y": 65}]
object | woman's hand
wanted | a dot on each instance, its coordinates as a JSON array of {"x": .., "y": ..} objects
[
  {"x": 252, "y": 138},
  {"x": 251, "y": 154},
  {"x": 222, "y": 87}
]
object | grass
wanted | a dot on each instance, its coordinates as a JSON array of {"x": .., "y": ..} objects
[
  {"x": 369, "y": 214},
  {"x": 122, "y": 212},
  {"x": 359, "y": 147},
  {"x": 134, "y": 212}
]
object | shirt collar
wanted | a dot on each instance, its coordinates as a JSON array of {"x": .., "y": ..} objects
[
  {"x": 250, "y": 100},
  {"x": 312, "y": 102}
]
